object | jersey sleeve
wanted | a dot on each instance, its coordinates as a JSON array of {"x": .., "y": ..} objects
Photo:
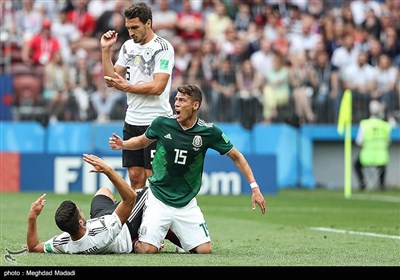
[
  {"x": 122, "y": 61},
  {"x": 220, "y": 142},
  {"x": 165, "y": 60},
  {"x": 57, "y": 244},
  {"x": 151, "y": 131}
]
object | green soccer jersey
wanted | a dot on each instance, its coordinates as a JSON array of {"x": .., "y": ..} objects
[{"x": 179, "y": 159}]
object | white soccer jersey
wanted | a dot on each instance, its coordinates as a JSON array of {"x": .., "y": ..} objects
[
  {"x": 141, "y": 62},
  {"x": 103, "y": 235}
]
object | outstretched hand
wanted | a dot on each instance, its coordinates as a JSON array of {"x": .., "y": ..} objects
[
  {"x": 117, "y": 82},
  {"x": 99, "y": 165},
  {"x": 258, "y": 198},
  {"x": 115, "y": 142},
  {"x": 37, "y": 206}
]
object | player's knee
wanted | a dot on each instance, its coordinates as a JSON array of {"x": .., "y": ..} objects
[
  {"x": 145, "y": 248},
  {"x": 105, "y": 191},
  {"x": 137, "y": 177},
  {"x": 204, "y": 248}
]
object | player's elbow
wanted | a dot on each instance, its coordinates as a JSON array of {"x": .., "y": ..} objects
[
  {"x": 130, "y": 198},
  {"x": 158, "y": 88},
  {"x": 157, "y": 91},
  {"x": 34, "y": 248}
]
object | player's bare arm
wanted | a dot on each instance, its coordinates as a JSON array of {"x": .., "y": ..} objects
[
  {"x": 154, "y": 87},
  {"x": 128, "y": 195},
  {"x": 107, "y": 40},
  {"x": 32, "y": 237},
  {"x": 134, "y": 143},
  {"x": 241, "y": 162}
]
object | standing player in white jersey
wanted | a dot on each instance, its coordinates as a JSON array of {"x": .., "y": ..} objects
[
  {"x": 182, "y": 143},
  {"x": 143, "y": 71}
]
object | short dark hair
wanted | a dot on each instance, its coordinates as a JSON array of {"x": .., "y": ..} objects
[
  {"x": 139, "y": 10},
  {"x": 193, "y": 91},
  {"x": 67, "y": 217}
]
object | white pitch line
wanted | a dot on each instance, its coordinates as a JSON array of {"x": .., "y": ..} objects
[
  {"x": 386, "y": 198},
  {"x": 356, "y": 232}
]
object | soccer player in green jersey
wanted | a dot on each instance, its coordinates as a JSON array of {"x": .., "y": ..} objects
[{"x": 182, "y": 143}]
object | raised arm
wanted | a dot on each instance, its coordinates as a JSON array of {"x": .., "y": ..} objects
[
  {"x": 241, "y": 162},
  {"x": 32, "y": 237},
  {"x": 128, "y": 195}
]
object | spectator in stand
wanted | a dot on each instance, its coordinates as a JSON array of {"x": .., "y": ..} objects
[
  {"x": 223, "y": 93},
  {"x": 40, "y": 49},
  {"x": 249, "y": 84},
  {"x": 276, "y": 90},
  {"x": 112, "y": 20},
  {"x": 308, "y": 38},
  {"x": 182, "y": 59},
  {"x": 374, "y": 52},
  {"x": 194, "y": 75},
  {"x": 49, "y": 9},
  {"x": 372, "y": 24},
  {"x": 243, "y": 20},
  {"x": 81, "y": 18},
  {"x": 273, "y": 22},
  {"x": 7, "y": 23},
  {"x": 391, "y": 44},
  {"x": 98, "y": 7},
  {"x": 56, "y": 88},
  {"x": 326, "y": 97},
  {"x": 263, "y": 59},
  {"x": 303, "y": 81},
  {"x": 67, "y": 34},
  {"x": 82, "y": 83},
  {"x": 345, "y": 55},
  {"x": 103, "y": 100},
  {"x": 209, "y": 62},
  {"x": 165, "y": 20},
  {"x": 226, "y": 42},
  {"x": 359, "y": 78},
  {"x": 360, "y": 8},
  {"x": 190, "y": 26},
  {"x": 281, "y": 43},
  {"x": 316, "y": 8},
  {"x": 385, "y": 80},
  {"x": 217, "y": 22},
  {"x": 28, "y": 22}
]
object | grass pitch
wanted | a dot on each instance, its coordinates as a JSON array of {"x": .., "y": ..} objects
[{"x": 301, "y": 228}]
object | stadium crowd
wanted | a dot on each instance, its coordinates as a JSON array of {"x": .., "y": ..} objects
[{"x": 256, "y": 60}]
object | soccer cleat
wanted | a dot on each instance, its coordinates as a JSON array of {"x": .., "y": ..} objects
[{"x": 179, "y": 250}]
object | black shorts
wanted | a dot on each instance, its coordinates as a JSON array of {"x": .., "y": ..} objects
[
  {"x": 103, "y": 205},
  {"x": 142, "y": 157}
]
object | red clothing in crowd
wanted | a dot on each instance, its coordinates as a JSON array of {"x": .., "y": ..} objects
[{"x": 42, "y": 49}]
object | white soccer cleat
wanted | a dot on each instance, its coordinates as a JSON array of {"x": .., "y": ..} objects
[{"x": 179, "y": 250}]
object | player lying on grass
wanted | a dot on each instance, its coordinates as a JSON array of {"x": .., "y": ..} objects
[
  {"x": 182, "y": 143},
  {"x": 112, "y": 227}
]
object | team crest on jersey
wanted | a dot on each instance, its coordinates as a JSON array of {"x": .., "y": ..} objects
[
  {"x": 148, "y": 54},
  {"x": 197, "y": 142}
]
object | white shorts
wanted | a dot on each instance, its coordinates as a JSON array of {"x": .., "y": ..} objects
[{"x": 187, "y": 223}]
